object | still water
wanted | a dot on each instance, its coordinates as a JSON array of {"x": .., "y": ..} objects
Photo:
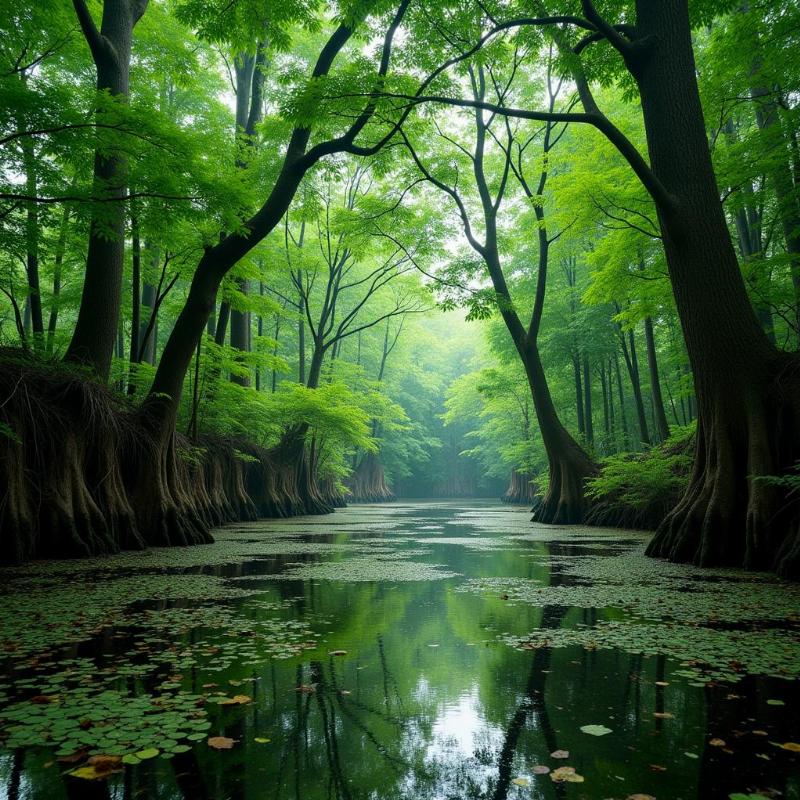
[{"x": 408, "y": 650}]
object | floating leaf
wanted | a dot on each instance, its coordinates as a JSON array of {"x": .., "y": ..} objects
[
  {"x": 236, "y": 700},
  {"x": 149, "y": 752},
  {"x": 792, "y": 747},
  {"x": 88, "y": 774},
  {"x": 559, "y": 754},
  {"x": 221, "y": 742},
  {"x": 595, "y": 730},
  {"x": 521, "y": 782},
  {"x": 566, "y": 775},
  {"x": 540, "y": 769}
]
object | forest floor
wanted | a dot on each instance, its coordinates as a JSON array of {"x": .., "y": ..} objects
[{"x": 406, "y": 650}]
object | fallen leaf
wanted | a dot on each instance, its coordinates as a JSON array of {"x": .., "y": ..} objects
[
  {"x": 566, "y": 775},
  {"x": 103, "y": 762},
  {"x": 261, "y": 740},
  {"x": 640, "y": 797},
  {"x": 559, "y": 754},
  {"x": 220, "y": 742},
  {"x": 663, "y": 715},
  {"x": 657, "y": 768},
  {"x": 540, "y": 769},
  {"x": 338, "y": 653},
  {"x": 717, "y": 742},
  {"x": 521, "y": 782},
  {"x": 236, "y": 700},
  {"x": 89, "y": 774},
  {"x": 792, "y": 747},
  {"x": 44, "y": 699},
  {"x": 595, "y": 730},
  {"x": 662, "y": 683}
]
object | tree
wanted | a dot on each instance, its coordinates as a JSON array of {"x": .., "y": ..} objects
[
  {"x": 569, "y": 464},
  {"x": 98, "y": 319}
]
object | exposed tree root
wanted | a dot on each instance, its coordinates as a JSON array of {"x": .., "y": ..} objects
[
  {"x": 367, "y": 484},
  {"x": 565, "y": 502},
  {"x": 521, "y": 489},
  {"x": 83, "y": 474},
  {"x": 732, "y": 513}
]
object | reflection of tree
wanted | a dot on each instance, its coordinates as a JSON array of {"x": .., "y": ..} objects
[
  {"x": 320, "y": 691},
  {"x": 533, "y": 703},
  {"x": 721, "y": 773},
  {"x": 16, "y": 775}
]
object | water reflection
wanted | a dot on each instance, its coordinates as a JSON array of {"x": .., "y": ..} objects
[{"x": 423, "y": 702}]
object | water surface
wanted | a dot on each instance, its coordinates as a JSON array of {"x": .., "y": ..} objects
[{"x": 408, "y": 650}]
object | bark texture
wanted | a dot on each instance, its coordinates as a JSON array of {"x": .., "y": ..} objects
[
  {"x": 521, "y": 489},
  {"x": 368, "y": 484},
  {"x": 82, "y": 474},
  {"x": 747, "y": 391}
]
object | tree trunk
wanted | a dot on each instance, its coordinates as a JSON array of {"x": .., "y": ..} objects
[
  {"x": 662, "y": 426},
  {"x": 576, "y": 370},
  {"x": 32, "y": 233},
  {"x": 96, "y": 328},
  {"x": 632, "y": 363},
  {"x": 367, "y": 484},
  {"x": 622, "y": 415},
  {"x": 747, "y": 391},
  {"x": 58, "y": 263},
  {"x": 521, "y": 489},
  {"x": 587, "y": 395},
  {"x": 136, "y": 299},
  {"x": 569, "y": 465}
]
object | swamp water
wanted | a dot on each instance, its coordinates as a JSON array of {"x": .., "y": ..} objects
[{"x": 408, "y": 650}]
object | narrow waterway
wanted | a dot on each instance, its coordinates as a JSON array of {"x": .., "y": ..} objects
[{"x": 408, "y": 650}]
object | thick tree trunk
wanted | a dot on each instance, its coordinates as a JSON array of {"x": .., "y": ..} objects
[
  {"x": 96, "y": 328},
  {"x": 662, "y": 426},
  {"x": 521, "y": 489},
  {"x": 569, "y": 465},
  {"x": 367, "y": 484},
  {"x": 747, "y": 391}
]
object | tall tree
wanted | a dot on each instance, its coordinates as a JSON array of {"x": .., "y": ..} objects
[{"x": 98, "y": 318}]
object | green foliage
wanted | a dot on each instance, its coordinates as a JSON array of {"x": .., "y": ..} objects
[{"x": 646, "y": 480}]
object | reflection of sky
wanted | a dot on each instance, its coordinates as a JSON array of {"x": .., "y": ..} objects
[{"x": 462, "y": 744}]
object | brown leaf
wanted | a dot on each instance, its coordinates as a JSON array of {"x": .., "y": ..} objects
[
  {"x": 663, "y": 715},
  {"x": 566, "y": 775},
  {"x": 559, "y": 754},
  {"x": 236, "y": 700},
  {"x": 717, "y": 742},
  {"x": 221, "y": 742}
]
